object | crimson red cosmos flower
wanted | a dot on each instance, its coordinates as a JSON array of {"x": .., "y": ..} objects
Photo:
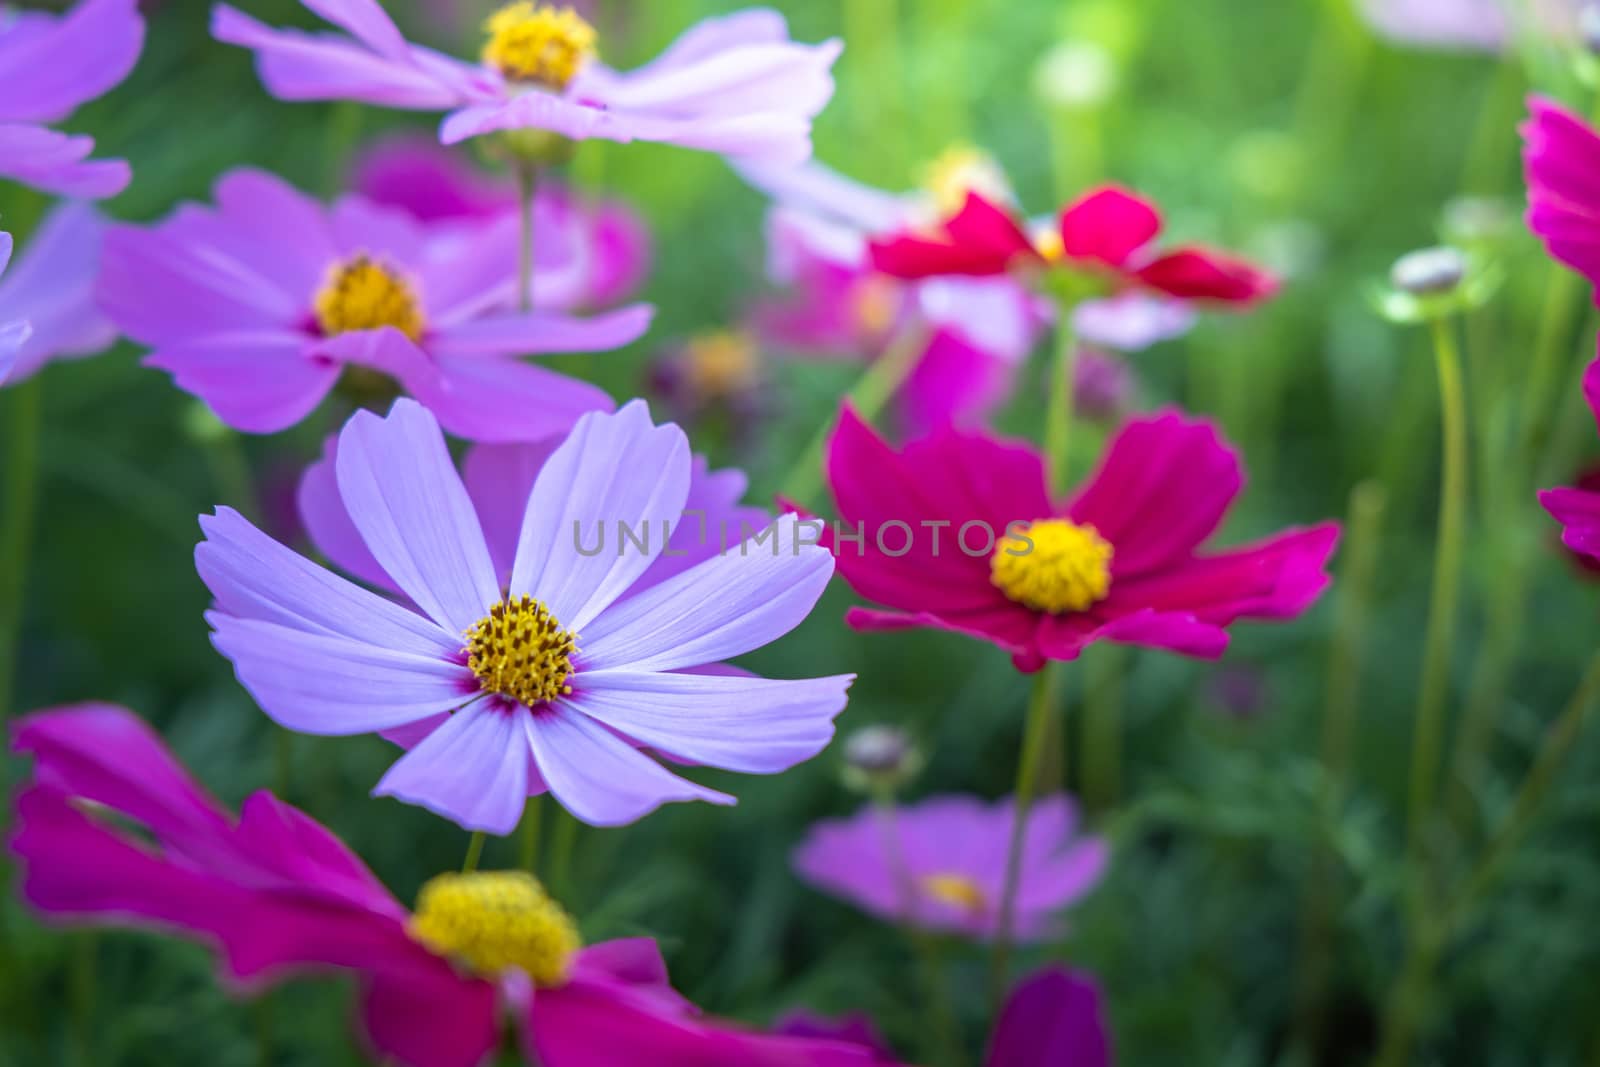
[
  {"x": 1106, "y": 234},
  {"x": 958, "y": 532}
]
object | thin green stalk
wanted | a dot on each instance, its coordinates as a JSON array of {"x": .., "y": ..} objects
[
  {"x": 869, "y": 397},
  {"x": 1407, "y": 1003},
  {"x": 1100, "y": 768},
  {"x": 562, "y": 842},
  {"x": 20, "y": 432},
  {"x": 85, "y": 966},
  {"x": 282, "y": 761},
  {"x": 531, "y": 816},
  {"x": 1562, "y": 297},
  {"x": 1036, "y": 729},
  {"x": 1058, "y": 416},
  {"x": 1346, "y": 663},
  {"x": 264, "y": 1030},
  {"x": 1441, "y": 632},
  {"x": 474, "y": 852},
  {"x": 527, "y": 191},
  {"x": 1493, "y": 143}
]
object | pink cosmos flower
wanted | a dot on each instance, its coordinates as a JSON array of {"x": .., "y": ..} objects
[
  {"x": 1053, "y": 1018},
  {"x": 260, "y": 304},
  {"x": 979, "y": 331},
  {"x": 591, "y": 253},
  {"x": 52, "y": 286},
  {"x": 1104, "y": 236},
  {"x": 111, "y": 829},
  {"x": 1578, "y": 509},
  {"x": 941, "y": 864},
  {"x": 49, "y": 66},
  {"x": 553, "y": 681},
  {"x": 735, "y": 85},
  {"x": 1561, "y": 156},
  {"x": 959, "y": 532}
]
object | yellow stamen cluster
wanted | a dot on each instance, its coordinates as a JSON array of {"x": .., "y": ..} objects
[
  {"x": 1053, "y": 565},
  {"x": 721, "y": 363},
  {"x": 363, "y": 294},
  {"x": 876, "y": 300},
  {"x": 492, "y": 921},
  {"x": 520, "y": 650},
  {"x": 956, "y": 890},
  {"x": 1049, "y": 245},
  {"x": 538, "y": 43},
  {"x": 959, "y": 170}
]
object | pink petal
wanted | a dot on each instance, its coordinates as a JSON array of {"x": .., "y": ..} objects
[{"x": 1108, "y": 226}]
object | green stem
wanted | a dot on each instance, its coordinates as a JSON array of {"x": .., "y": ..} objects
[
  {"x": 527, "y": 190},
  {"x": 1036, "y": 728},
  {"x": 264, "y": 1029},
  {"x": 1059, "y": 413},
  {"x": 1563, "y": 293},
  {"x": 562, "y": 842},
  {"x": 21, "y": 458},
  {"x": 1346, "y": 661},
  {"x": 282, "y": 761},
  {"x": 474, "y": 852},
  {"x": 530, "y": 835},
  {"x": 1100, "y": 770},
  {"x": 1440, "y": 639},
  {"x": 869, "y": 397},
  {"x": 1406, "y": 1005},
  {"x": 1493, "y": 140},
  {"x": 85, "y": 966}
]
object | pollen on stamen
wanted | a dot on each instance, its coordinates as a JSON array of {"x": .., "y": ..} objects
[
  {"x": 519, "y": 650},
  {"x": 492, "y": 921},
  {"x": 956, "y": 890},
  {"x": 1053, "y": 565},
  {"x": 364, "y": 294},
  {"x": 538, "y": 43}
]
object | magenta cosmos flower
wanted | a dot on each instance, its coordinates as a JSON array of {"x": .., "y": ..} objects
[
  {"x": 941, "y": 864},
  {"x": 591, "y": 253},
  {"x": 1104, "y": 237},
  {"x": 1053, "y": 1018},
  {"x": 111, "y": 829},
  {"x": 1577, "y": 509},
  {"x": 554, "y": 680},
  {"x": 959, "y": 532},
  {"x": 52, "y": 287},
  {"x": 1561, "y": 156},
  {"x": 735, "y": 85},
  {"x": 260, "y": 304},
  {"x": 49, "y": 66}
]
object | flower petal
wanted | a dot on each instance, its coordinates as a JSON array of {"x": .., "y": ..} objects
[
  {"x": 328, "y": 525},
  {"x": 472, "y": 770},
  {"x": 74, "y": 58},
  {"x": 1108, "y": 225},
  {"x": 542, "y": 332},
  {"x": 1053, "y": 1017}
]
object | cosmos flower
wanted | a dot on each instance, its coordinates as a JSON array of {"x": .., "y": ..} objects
[
  {"x": 1561, "y": 154},
  {"x": 717, "y": 377},
  {"x": 498, "y": 480},
  {"x": 1053, "y": 1018},
  {"x": 735, "y": 85},
  {"x": 591, "y": 253},
  {"x": 13, "y": 334},
  {"x": 553, "y": 681},
  {"x": 1578, "y": 509},
  {"x": 111, "y": 829},
  {"x": 941, "y": 864},
  {"x": 260, "y": 304},
  {"x": 49, "y": 66},
  {"x": 1102, "y": 240},
  {"x": 1473, "y": 25},
  {"x": 52, "y": 287},
  {"x": 1119, "y": 561},
  {"x": 975, "y": 333}
]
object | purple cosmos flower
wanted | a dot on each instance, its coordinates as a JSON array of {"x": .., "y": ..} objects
[
  {"x": 260, "y": 304},
  {"x": 49, "y": 66},
  {"x": 1053, "y": 1018},
  {"x": 941, "y": 863},
  {"x": 1476, "y": 25},
  {"x": 552, "y": 681},
  {"x": 52, "y": 286},
  {"x": 591, "y": 253},
  {"x": 13, "y": 335},
  {"x": 276, "y": 894},
  {"x": 735, "y": 85}
]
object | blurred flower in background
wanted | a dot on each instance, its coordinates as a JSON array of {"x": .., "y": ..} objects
[
  {"x": 52, "y": 286},
  {"x": 940, "y": 864},
  {"x": 1480, "y": 25},
  {"x": 261, "y": 304},
  {"x": 714, "y": 378},
  {"x": 1103, "y": 385},
  {"x": 49, "y": 66}
]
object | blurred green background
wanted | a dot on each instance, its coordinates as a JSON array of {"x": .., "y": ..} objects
[{"x": 1253, "y": 912}]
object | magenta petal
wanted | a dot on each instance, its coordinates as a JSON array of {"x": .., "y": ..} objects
[
  {"x": 1108, "y": 226},
  {"x": 1054, "y": 1018},
  {"x": 427, "y": 1016},
  {"x": 1578, "y": 511}
]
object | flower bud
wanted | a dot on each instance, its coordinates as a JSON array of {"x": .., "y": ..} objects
[
  {"x": 1429, "y": 272},
  {"x": 880, "y": 758}
]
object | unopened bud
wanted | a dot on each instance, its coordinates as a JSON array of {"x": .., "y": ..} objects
[
  {"x": 1429, "y": 272},
  {"x": 877, "y": 758}
]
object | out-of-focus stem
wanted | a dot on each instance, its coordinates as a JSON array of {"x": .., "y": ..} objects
[
  {"x": 531, "y": 816},
  {"x": 1346, "y": 661},
  {"x": 1059, "y": 413},
  {"x": 562, "y": 841},
  {"x": 1442, "y": 612},
  {"x": 20, "y": 432},
  {"x": 1562, "y": 296},
  {"x": 1036, "y": 729},
  {"x": 1100, "y": 768},
  {"x": 872, "y": 48},
  {"x": 474, "y": 852}
]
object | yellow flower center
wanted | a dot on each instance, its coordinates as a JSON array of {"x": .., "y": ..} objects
[
  {"x": 956, "y": 890},
  {"x": 1049, "y": 245},
  {"x": 876, "y": 300},
  {"x": 491, "y": 921},
  {"x": 520, "y": 650},
  {"x": 959, "y": 170},
  {"x": 1053, "y": 565},
  {"x": 363, "y": 294},
  {"x": 721, "y": 363},
  {"x": 538, "y": 43}
]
